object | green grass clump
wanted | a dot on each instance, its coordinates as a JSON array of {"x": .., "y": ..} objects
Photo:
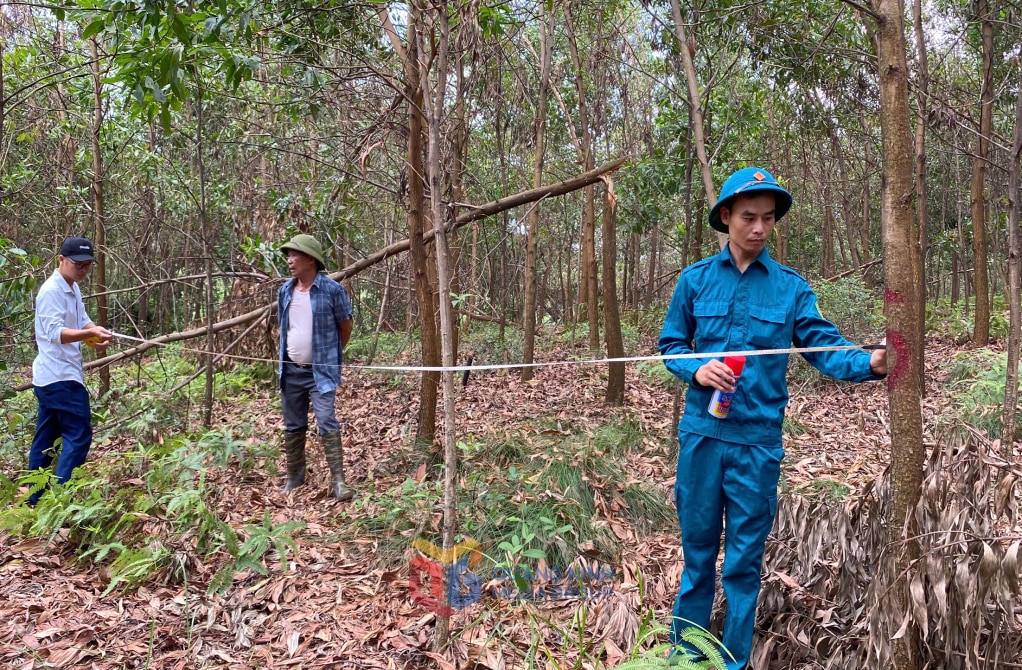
[
  {"x": 144, "y": 510},
  {"x": 977, "y": 380}
]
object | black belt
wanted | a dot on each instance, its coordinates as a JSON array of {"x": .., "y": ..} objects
[{"x": 298, "y": 365}]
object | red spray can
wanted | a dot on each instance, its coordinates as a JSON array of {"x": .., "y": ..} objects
[{"x": 720, "y": 403}]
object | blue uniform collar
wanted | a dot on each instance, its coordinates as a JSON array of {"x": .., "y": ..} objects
[{"x": 763, "y": 259}]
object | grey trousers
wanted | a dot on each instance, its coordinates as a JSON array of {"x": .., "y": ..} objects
[{"x": 298, "y": 389}]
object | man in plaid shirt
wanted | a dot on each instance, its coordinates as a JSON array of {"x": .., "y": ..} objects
[{"x": 315, "y": 324}]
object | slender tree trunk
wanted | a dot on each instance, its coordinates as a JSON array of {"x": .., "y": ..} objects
[
  {"x": 588, "y": 288},
  {"x": 922, "y": 211},
  {"x": 424, "y": 294},
  {"x": 3, "y": 96},
  {"x": 383, "y": 303},
  {"x": 1014, "y": 289},
  {"x": 904, "y": 381},
  {"x": 98, "y": 212},
  {"x": 847, "y": 235},
  {"x": 687, "y": 49},
  {"x": 441, "y": 213},
  {"x": 827, "y": 243},
  {"x": 416, "y": 225},
  {"x": 867, "y": 193},
  {"x": 532, "y": 235},
  {"x": 981, "y": 335},
  {"x": 207, "y": 250},
  {"x": 611, "y": 316}
]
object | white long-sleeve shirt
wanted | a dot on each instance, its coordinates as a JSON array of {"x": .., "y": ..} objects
[{"x": 58, "y": 305}]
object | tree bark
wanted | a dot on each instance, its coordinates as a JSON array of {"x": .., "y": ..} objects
[
  {"x": 611, "y": 315},
  {"x": 687, "y": 50},
  {"x": 98, "y": 212},
  {"x": 1014, "y": 289},
  {"x": 588, "y": 288},
  {"x": 532, "y": 236},
  {"x": 904, "y": 381},
  {"x": 207, "y": 250},
  {"x": 922, "y": 211},
  {"x": 424, "y": 293},
  {"x": 981, "y": 283},
  {"x": 434, "y": 109}
]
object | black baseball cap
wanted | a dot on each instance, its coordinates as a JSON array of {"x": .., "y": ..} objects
[{"x": 77, "y": 249}]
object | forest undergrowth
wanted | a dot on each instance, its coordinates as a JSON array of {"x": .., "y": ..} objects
[{"x": 175, "y": 549}]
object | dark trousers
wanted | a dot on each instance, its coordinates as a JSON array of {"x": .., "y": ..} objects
[
  {"x": 298, "y": 389},
  {"x": 63, "y": 413}
]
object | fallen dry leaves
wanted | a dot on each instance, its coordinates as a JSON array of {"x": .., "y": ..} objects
[{"x": 340, "y": 605}]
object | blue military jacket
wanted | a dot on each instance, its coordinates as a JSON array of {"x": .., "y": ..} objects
[{"x": 716, "y": 308}]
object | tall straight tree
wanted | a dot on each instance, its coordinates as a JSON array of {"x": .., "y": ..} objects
[
  {"x": 611, "y": 315},
  {"x": 532, "y": 235},
  {"x": 687, "y": 49},
  {"x": 98, "y": 204},
  {"x": 1014, "y": 287},
  {"x": 433, "y": 108},
  {"x": 922, "y": 91},
  {"x": 416, "y": 199},
  {"x": 904, "y": 382},
  {"x": 981, "y": 283},
  {"x": 588, "y": 288}
]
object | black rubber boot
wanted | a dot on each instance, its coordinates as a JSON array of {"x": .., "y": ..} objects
[
  {"x": 335, "y": 459},
  {"x": 294, "y": 451}
]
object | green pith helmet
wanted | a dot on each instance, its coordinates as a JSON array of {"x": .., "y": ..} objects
[
  {"x": 746, "y": 182},
  {"x": 308, "y": 245}
]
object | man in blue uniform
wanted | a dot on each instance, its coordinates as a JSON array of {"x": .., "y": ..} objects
[
  {"x": 315, "y": 324},
  {"x": 728, "y": 469}
]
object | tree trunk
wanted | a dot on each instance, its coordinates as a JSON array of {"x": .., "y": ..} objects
[
  {"x": 1014, "y": 289},
  {"x": 611, "y": 316},
  {"x": 532, "y": 236},
  {"x": 981, "y": 335},
  {"x": 867, "y": 194},
  {"x": 414, "y": 172},
  {"x": 904, "y": 382},
  {"x": 922, "y": 91},
  {"x": 441, "y": 213},
  {"x": 827, "y": 243},
  {"x": 687, "y": 50},
  {"x": 588, "y": 288},
  {"x": 3, "y": 97},
  {"x": 98, "y": 214},
  {"x": 207, "y": 251}
]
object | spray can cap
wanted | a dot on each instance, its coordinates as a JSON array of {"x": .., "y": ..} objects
[{"x": 736, "y": 363}]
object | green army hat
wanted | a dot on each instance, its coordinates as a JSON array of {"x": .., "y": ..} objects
[{"x": 308, "y": 245}]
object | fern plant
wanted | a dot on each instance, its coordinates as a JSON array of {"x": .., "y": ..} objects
[
  {"x": 699, "y": 649},
  {"x": 248, "y": 555}
]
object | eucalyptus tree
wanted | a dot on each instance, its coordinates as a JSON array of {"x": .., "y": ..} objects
[
  {"x": 903, "y": 290},
  {"x": 981, "y": 334}
]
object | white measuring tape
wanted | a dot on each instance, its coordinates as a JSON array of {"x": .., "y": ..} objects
[{"x": 511, "y": 366}]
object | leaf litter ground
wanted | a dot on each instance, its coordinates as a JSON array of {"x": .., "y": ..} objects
[{"x": 344, "y": 601}]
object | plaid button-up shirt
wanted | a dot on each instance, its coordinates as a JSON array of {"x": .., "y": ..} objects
[{"x": 330, "y": 306}]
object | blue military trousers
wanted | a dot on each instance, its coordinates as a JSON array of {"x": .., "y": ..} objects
[{"x": 729, "y": 488}]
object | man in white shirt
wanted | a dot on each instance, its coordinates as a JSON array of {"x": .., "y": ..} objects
[{"x": 58, "y": 376}]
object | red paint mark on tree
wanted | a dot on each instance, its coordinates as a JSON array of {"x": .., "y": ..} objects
[
  {"x": 893, "y": 297},
  {"x": 896, "y": 341}
]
